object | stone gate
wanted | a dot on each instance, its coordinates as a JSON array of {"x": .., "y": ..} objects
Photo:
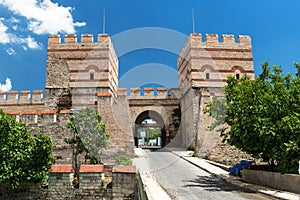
[{"x": 84, "y": 72}]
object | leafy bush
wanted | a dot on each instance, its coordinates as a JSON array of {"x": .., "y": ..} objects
[
  {"x": 262, "y": 116},
  {"x": 123, "y": 160},
  {"x": 24, "y": 157}
]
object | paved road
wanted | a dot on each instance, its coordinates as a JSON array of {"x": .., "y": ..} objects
[{"x": 182, "y": 180}]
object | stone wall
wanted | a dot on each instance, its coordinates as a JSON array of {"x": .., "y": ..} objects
[
  {"x": 19, "y": 102},
  {"x": 187, "y": 118},
  {"x": 81, "y": 72},
  {"x": 118, "y": 113},
  {"x": 121, "y": 137},
  {"x": 123, "y": 186}
]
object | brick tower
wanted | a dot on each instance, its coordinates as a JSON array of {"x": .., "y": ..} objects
[
  {"x": 203, "y": 68},
  {"x": 78, "y": 71}
]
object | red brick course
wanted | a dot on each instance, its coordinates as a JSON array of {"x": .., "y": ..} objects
[
  {"x": 91, "y": 168},
  {"x": 124, "y": 169},
  {"x": 61, "y": 168}
]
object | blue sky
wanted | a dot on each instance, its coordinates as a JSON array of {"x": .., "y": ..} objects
[{"x": 25, "y": 25}]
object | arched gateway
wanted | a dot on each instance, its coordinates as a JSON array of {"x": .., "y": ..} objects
[
  {"x": 149, "y": 129},
  {"x": 153, "y": 114}
]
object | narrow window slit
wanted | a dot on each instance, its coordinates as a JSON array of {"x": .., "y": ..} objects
[{"x": 91, "y": 76}]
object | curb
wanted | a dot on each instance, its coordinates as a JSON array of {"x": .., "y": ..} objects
[{"x": 275, "y": 193}]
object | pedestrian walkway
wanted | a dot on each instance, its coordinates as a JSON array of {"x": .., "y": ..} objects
[
  {"x": 210, "y": 167},
  {"x": 152, "y": 188}
]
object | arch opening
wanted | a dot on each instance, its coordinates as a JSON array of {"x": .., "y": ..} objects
[{"x": 149, "y": 130}]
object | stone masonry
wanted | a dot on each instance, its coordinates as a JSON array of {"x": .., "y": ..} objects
[
  {"x": 85, "y": 73},
  {"x": 122, "y": 186}
]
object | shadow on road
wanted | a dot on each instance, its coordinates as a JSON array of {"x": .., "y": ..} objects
[
  {"x": 214, "y": 184},
  {"x": 157, "y": 150}
]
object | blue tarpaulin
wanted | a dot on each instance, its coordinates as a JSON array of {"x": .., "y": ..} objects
[{"x": 236, "y": 169}]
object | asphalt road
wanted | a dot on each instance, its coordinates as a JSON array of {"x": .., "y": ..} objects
[{"x": 182, "y": 180}]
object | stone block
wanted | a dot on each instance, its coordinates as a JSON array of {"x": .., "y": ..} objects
[
  {"x": 212, "y": 38},
  {"x": 149, "y": 92},
  {"x": 37, "y": 96},
  {"x": 53, "y": 39},
  {"x": 25, "y": 97},
  {"x": 70, "y": 38},
  {"x": 12, "y": 97},
  {"x": 87, "y": 38},
  {"x": 288, "y": 182}
]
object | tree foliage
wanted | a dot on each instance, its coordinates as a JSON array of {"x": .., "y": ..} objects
[
  {"x": 23, "y": 157},
  {"x": 89, "y": 136},
  {"x": 123, "y": 160},
  {"x": 262, "y": 116}
]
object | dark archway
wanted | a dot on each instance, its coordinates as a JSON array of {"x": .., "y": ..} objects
[{"x": 157, "y": 123}]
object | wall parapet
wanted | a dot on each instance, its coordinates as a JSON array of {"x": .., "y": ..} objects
[
  {"x": 22, "y": 97},
  {"x": 226, "y": 39},
  {"x": 153, "y": 92},
  {"x": 37, "y": 117},
  {"x": 73, "y": 39}
]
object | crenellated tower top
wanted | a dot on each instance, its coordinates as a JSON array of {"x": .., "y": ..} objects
[
  {"x": 207, "y": 62},
  {"x": 72, "y": 39}
]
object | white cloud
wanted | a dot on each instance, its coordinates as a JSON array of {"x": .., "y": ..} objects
[
  {"x": 14, "y": 20},
  {"x": 24, "y": 48},
  {"x": 44, "y": 16},
  {"x": 11, "y": 51},
  {"x": 32, "y": 44},
  {"x": 4, "y": 36},
  {"x": 6, "y": 86},
  {"x": 14, "y": 39}
]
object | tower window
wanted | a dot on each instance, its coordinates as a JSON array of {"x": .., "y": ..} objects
[
  {"x": 207, "y": 75},
  {"x": 91, "y": 76},
  {"x": 237, "y": 76}
]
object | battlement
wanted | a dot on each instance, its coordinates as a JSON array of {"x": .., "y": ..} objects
[
  {"x": 208, "y": 61},
  {"x": 41, "y": 117},
  {"x": 24, "y": 97},
  {"x": 72, "y": 39},
  {"x": 147, "y": 92},
  {"x": 226, "y": 40},
  {"x": 142, "y": 92}
]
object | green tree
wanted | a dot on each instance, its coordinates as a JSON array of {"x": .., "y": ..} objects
[
  {"x": 262, "y": 116},
  {"x": 23, "y": 157},
  {"x": 89, "y": 136}
]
